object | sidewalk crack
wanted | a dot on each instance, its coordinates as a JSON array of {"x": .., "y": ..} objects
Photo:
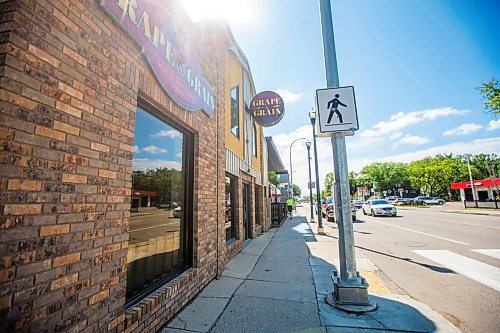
[{"x": 184, "y": 324}]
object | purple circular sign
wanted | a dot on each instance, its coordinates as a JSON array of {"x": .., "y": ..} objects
[{"x": 267, "y": 108}]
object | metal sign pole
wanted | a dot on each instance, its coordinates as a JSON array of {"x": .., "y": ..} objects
[{"x": 350, "y": 291}]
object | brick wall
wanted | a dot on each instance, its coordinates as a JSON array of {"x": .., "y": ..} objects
[{"x": 70, "y": 82}]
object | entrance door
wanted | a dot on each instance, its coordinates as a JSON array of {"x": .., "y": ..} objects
[{"x": 246, "y": 210}]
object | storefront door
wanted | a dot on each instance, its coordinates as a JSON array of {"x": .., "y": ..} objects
[{"x": 246, "y": 210}]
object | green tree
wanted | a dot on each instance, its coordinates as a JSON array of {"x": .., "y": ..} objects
[
  {"x": 434, "y": 175},
  {"x": 327, "y": 190},
  {"x": 296, "y": 190},
  {"x": 384, "y": 176},
  {"x": 167, "y": 183},
  {"x": 273, "y": 178},
  {"x": 491, "y": 96},
  {"x": 486, "y": 165}
]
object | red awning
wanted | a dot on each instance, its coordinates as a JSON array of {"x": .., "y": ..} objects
[
  {"x": 479, "y": 183},
  {"x": 144, "y": 193}
]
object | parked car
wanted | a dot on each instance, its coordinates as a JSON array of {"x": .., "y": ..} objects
[
  {"x": 357, "y": 203},
  {"x": 439, "y": 201},
  {"x": 424, "y": 200},
  {"x": 392, "y": 199},
  {"x": 163, "y": 205},
  {"x": 177, "y": 212},
  {"x": 328, "y": 210},
  {"x": 402, "y": 202},
  {"x": 379, "y": 207}
]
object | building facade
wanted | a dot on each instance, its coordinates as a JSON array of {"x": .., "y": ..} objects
[
  {"x": 246, "y": 175},
  {"x": 484, "y": 190},
  {"x": 114, "y": 191}
]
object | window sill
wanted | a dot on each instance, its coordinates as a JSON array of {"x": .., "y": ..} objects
[{"x": 151, "y": 303}]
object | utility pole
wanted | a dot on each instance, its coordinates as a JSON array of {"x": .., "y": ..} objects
[{"x": 350, "y": 290}]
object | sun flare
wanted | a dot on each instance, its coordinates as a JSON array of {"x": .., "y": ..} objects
[{"x": 232, "y": 10}]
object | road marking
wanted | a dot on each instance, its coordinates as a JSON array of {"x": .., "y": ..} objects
[
  {"x": 146, "y": 228},
  {"x": 375, "y": 285},
  {"x": 420, "y": 232},
  {"x": 495, "y": 253},
  {"x": 462, "y": 223},
  {"x": 474, "y": 269}
]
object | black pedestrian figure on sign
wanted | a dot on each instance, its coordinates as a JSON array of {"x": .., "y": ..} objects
[{"x": 333, "y": 107}]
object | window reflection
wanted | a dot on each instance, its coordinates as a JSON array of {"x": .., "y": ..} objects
[
  {"x": 157, "y": 221},
  {"x": 254, "y": 140},
  {"x": 235, "y": 112},
  {"x": 230, "y": 207}
]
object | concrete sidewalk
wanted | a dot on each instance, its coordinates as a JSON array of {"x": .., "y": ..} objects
[{"x": 278, "y": 284}]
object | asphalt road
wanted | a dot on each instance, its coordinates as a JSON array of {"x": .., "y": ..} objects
[
  {"x": 448, "y": 261},
  {"x": 152, "y": 222}
]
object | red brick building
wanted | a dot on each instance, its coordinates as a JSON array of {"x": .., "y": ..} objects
[{"x": 86, "y": 124}]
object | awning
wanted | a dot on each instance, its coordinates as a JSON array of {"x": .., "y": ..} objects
[
  {"x": 479, "y": 183},
  {"x": 274, "y": 161}
]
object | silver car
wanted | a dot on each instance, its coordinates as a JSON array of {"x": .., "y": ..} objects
[{"x": 378, "y": 207}]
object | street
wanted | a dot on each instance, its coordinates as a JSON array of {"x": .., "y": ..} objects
[{"x": 447, "y": 260}]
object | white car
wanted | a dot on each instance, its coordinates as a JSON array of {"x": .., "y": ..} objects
[
  {"x": 379, "y": 207},
  {"x": 177, "y": 212}
]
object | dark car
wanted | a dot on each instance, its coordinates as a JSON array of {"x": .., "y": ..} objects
[
  {"x": 328, "y": 210},
  {"x": 163, "y": 205}
]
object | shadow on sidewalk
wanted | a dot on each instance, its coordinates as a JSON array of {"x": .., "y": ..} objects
[{"x": 394, "y": 313}]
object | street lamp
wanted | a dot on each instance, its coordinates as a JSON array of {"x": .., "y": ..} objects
[
  {"x": 312, "y": 116},
  {"x": 308, "y": 145},
  {"x": 468, "y": 156},
  {"x": 290, "y": 182}
]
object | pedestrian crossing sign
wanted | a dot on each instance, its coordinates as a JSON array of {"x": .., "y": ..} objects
[{"x": 336, "y": 110}]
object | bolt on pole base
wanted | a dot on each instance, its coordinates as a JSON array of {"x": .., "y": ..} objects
[{"x": 350, "y": 297}]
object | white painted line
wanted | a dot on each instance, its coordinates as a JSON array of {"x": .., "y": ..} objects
[
  {"x": 146, "y": 228},
  {"x": 474, "y": 269},
  {"x": 420, "y": 232},
  {"x": 495, "y": 253}
]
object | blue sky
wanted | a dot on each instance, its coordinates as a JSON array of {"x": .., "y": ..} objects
[
  {"x": 156, "y": 144},
  {"x": 414, "y": 65}
]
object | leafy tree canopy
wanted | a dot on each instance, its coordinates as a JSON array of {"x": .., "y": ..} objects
[
  {"x": 432, "y": 175},
  {"x": 273, "y": 178},
  {"x": 491, "y": 96},
  {"x": 296, "y": 190},
  {"x": 384, "y": 176},
  {"x": 327, "y": 190}
]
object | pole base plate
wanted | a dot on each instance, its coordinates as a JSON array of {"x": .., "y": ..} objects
[
  {"x": 350, "y": 308},
  {"x": 350, "y": 296},
  {"x": 321, "y": 231}
]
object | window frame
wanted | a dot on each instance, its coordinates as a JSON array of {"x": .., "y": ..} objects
[{"x": 188, "y": 202}]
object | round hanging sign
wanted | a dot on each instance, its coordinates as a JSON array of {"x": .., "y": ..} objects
[{"x": 267, "y": 108}]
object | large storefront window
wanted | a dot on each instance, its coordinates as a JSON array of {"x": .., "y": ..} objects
[
  {"x": 235, "y": 111},
  {"x": 160, "y": 230},
  {"x": 230, "y": 207}
]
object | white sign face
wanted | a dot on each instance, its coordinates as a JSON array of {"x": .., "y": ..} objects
[{"x": 336, "y": 110}]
